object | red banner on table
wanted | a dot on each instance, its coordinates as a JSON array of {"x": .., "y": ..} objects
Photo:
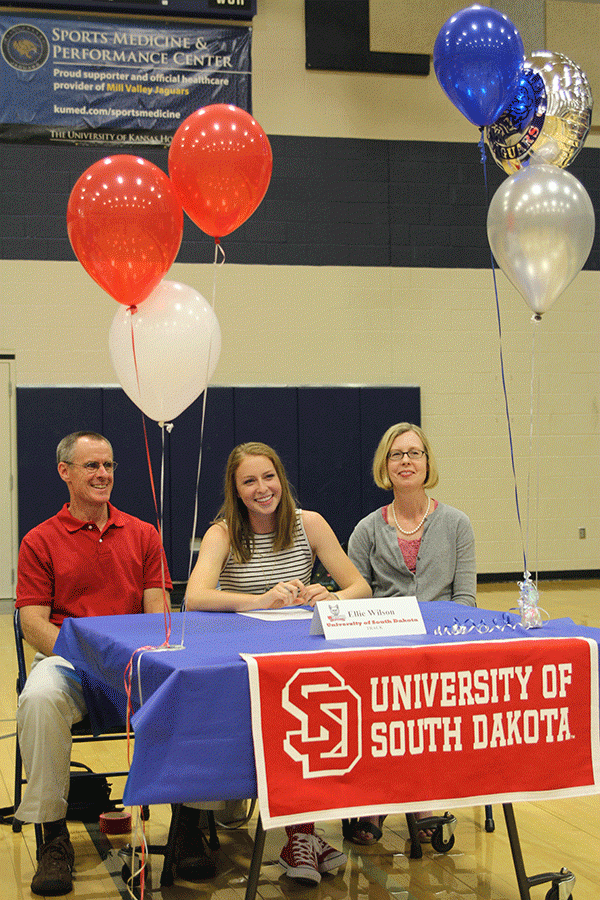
[{"x": 378, "y": 730}]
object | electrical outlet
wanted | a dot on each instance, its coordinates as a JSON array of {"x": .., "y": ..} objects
[{"x": 582, "y": 532}]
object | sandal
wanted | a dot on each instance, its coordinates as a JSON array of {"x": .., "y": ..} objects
[
  {"x": 425, "y": 834},
  {"x": 362, "y": 831}
]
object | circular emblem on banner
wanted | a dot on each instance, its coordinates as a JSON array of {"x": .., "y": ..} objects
[{"x": 25, "y": 47}]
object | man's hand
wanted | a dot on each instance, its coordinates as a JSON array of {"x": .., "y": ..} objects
[{"x": 37, "y": 628}]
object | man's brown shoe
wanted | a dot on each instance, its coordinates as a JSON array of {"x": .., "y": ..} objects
[{"x": 54, "y": 872}]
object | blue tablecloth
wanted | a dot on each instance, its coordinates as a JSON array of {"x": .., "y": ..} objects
[{"x": 193, "y": 736}]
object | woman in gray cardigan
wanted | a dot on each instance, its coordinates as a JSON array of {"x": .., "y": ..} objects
[{"x": 414, "y": 546}]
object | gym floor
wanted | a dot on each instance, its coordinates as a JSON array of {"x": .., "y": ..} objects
[{"x": 479, "y": 866}]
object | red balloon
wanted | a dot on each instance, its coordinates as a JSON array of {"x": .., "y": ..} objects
[
  {"x": 220, "y": 163},
  {"x": 125, "y": 224}
]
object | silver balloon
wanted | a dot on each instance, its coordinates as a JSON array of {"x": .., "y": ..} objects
[
  {"x": 549, "y": 119},
  {"x": 540, "y": 227}
]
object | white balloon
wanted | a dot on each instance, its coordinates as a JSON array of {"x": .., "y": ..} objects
[
  {"x": 165, "y": 351},
  {"x": 540, "y": 227}
]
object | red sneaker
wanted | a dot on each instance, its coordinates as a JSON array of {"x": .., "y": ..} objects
[
  {"x": 328, "y": 858},
  {"x": 299, "y": 859}
]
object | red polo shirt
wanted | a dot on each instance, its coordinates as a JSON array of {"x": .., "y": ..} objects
[{"x": 70, "y": 566}]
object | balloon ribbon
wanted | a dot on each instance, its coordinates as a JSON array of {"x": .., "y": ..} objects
[{"x": 504, "y": 389}]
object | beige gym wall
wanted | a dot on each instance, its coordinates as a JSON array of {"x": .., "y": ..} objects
[{"x": 328, "y": 325}]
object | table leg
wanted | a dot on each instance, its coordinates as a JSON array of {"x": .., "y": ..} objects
[
  {"x": 416, "y": 851},
  {"x": 256, "y": 862},
  {"x": 562, "y": 882},
  {"x": 168, "y": 870},
  {"x": 515, "y": 847}
]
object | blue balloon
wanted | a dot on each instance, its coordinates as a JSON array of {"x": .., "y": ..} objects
[{"x": 478, "y": 58}]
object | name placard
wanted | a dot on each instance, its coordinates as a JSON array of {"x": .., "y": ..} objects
[{"x": 381, "y": 616}]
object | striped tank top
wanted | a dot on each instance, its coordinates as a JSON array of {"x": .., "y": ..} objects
[{"x": 267, "y": 566}]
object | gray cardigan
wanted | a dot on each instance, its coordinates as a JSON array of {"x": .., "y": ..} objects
[{"x": 445, "y": 564}]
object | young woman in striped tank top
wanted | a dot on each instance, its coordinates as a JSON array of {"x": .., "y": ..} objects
[
  {"x": 260, "y": 550},
  {"x": 259, "y": 554}
]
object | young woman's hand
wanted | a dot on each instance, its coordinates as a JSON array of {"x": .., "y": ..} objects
[
  {"x": 284, "y": 593},
  {"x": 313, "y": 593}
]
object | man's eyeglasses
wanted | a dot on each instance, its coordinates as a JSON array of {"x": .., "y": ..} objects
[
  {"x": 413, "y": 453},
  {"x": 95, "y": 466}
]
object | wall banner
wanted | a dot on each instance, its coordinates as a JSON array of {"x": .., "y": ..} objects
[
  {"x": 116, "y": 82},
  {"x": 344, "y": 733}
]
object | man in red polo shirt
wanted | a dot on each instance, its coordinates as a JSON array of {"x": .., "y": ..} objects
[{"x": 89, "y": 559}]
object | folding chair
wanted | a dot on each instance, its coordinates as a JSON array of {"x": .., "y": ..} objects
[{"x": 81, "y": 734}]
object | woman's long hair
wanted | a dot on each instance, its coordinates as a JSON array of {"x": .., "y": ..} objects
[{"x": 235, "y": 514}]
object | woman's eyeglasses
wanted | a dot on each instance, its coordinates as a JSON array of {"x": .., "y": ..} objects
[{"x": 413, "y": 453}]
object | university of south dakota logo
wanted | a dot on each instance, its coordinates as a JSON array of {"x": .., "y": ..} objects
[
  {"x": 328, "y": 740},
  {"x": 25, "y": 47}
]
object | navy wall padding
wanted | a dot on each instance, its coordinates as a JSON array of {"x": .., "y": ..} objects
[
  {"x": 326, "y": 437},
  {"x": 330, "y": 471},
  {"x": 186, "y": 442},
  {"x": 123, "y": 424},
  {"x": 269, "y": 415}
]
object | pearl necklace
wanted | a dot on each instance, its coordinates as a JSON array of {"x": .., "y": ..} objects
[{"x": 414, "y": 531}]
